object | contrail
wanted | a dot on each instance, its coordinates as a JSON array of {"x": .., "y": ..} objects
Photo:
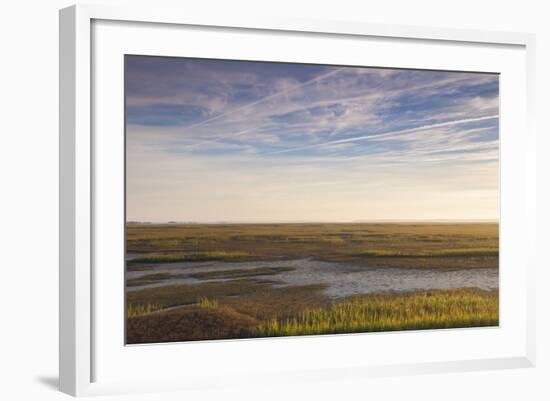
[
  {"x": 216, "y": 139},
  {"x": 318, "y": 78},
  {"x": 386, "y": 134}
]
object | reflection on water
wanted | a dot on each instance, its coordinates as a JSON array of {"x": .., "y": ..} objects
[{"x": 341, "y": 279}]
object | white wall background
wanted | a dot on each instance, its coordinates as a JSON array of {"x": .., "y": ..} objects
[{"x": 29, "y": 187}]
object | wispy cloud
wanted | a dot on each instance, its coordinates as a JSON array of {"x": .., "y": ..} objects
[
  {"x": 264, "y": 99},
  {"x": 204, "y": 134},
  {"x": 391, "y": 134}
]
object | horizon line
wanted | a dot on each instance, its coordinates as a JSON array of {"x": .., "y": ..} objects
[{"x": 358, "y": 221}]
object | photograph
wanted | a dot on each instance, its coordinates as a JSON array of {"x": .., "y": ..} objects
[{"x": 275, "y": 199}]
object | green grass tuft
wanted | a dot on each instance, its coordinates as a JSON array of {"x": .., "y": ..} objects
[{"x": 204, "y": 302}]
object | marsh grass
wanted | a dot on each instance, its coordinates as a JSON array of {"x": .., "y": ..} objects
[
  {"x": 187, "y": 294},
  {"x": 292, "y": 311},
  {"x": 247, "y": 306},
  {"x": 388, "y": 312},
  {"x": 190, "y": 257},
  {"x": 133, "y": 310},
  {"x": 204, "y": 302},
  {"x": 441, "y": 253},
  {"x": 394, "y": 245}
]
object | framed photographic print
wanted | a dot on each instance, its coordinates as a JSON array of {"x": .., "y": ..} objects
[
  {"x": 272, "y": 199},
  {"x": 238, "y": 196}
]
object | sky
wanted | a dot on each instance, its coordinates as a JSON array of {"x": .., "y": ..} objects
[{"x": 242, "y": 141}]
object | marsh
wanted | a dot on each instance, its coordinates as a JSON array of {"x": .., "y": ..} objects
[{"x": 273, "y": 275}]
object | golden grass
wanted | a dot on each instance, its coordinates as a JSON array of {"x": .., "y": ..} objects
[
  {"x": 388, "y": 312},
  {"x": 454, "y": 253},
  {"x": 288, "y": 312},
  {"x": 396, "y": 245},
  {"x": 187, "y": 294},
  {"x": 255, "y": 308},
  {"x": 133, "y": 310},
  {"x": 191, "y": 257},
  {"x": 204, "y": 302}
]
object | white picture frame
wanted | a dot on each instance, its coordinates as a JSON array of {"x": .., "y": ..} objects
[{"x": 79, "y": 223}]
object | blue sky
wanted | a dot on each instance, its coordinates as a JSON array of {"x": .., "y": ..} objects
[{"x": 216, "y": 140}]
